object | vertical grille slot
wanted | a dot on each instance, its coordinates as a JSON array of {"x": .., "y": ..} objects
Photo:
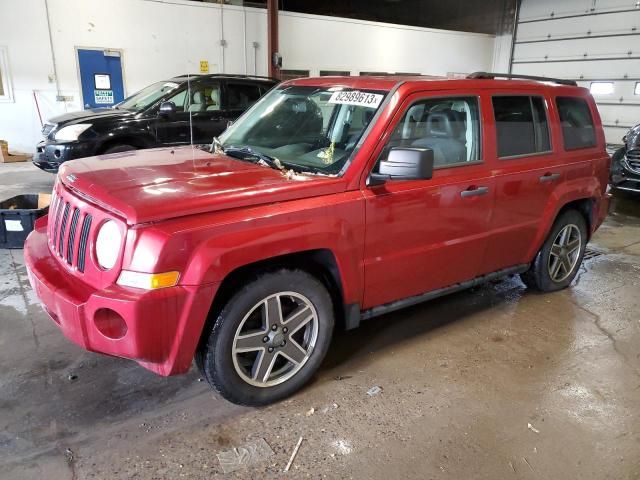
[
  {"x": 82, "y": 244},
  {"x": 54, "y": 234},
  {"x": 72, "y": 235},
  {"x": 52, "y": 213},
  {"x": 63, "y": 227}
]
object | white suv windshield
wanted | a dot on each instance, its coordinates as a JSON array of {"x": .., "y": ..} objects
[{"x": 312, "y": 129}]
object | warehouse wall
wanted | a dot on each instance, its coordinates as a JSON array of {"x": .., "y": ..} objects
[
  {"x": 163, "y": 38},
  {"x": 586, "y": 40},
  {"x": 314, "y": 43}
]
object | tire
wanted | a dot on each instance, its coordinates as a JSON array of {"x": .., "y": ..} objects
[
  {"x": 243, "y": 376},
  {"x": 119, "y": 148},
  {"x": 539, "y": 276}
]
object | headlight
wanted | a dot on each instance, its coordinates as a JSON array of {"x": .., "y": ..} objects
[
  {"x": 72, "y": 132},
  {"x": 108, "y": 244}
]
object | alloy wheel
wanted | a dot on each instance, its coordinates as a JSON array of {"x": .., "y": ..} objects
[
  {"x": 564, "y": 253},
  {"x": 275, "y": 339}
]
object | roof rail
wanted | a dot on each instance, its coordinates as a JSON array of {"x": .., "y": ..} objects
[
  {"x": 232, "y": 75},
  {"x": 491, "y": 76}
]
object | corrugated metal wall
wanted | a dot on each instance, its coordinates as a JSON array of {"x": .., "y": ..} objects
[{"x": 587, "y": 41}]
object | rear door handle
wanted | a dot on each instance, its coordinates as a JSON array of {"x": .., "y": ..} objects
[
  {"x": 474, "y": 192},
  {"x": 549, "y": 177}
]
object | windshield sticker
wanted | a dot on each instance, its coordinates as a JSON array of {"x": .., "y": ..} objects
[
  {"x": 171, "y": 85},
  {"x": 356, "y": 97}
]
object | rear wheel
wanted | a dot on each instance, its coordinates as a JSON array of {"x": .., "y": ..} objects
[
  {"x": 559, "y": 259},
  {"x": 269, "y": 339}
]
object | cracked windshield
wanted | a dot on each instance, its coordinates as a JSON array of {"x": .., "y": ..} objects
[{"x": 307, "y": 129}]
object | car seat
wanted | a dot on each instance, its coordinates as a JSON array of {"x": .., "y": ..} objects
[
  {"x": 442, "y": 134},
  {"x": 215, "y": 99},
  {"x": 198, "y": 104}
]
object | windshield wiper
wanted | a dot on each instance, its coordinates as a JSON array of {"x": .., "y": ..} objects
[{"x": 261, "y": 157}]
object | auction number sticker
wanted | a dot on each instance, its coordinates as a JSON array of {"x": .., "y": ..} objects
[{"x": 356, "y": 97}]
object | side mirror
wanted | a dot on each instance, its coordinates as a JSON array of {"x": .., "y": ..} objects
[
  {"x": 404, "y": 164},
  {"x": 167, "y": 109}
]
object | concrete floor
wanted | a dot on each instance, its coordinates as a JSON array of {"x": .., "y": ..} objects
[{"x": 462, "y": 379}]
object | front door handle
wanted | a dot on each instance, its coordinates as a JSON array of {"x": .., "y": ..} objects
[
  {"x": 474, "y": 192},
  {"x": 549, "y": 177}
]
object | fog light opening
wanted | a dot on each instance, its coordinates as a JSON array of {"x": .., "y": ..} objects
[
  {"x": 110, "y": 323},
  {"x": 56, "y": 153}
]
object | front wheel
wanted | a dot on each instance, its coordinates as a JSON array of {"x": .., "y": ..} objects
[
  {"x": 269, "y": 339},
  {"x": 559, "y": 259}
]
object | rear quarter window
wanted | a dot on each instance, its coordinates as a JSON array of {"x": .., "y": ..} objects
[{"x": 576, "y": 122}]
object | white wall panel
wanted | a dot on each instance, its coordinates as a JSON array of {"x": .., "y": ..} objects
[
  {"x": 581, "y": 26},
  {"x": 543, "y": 9},
  {"x": 583, "y": 48},
  {"x": 603, "y": 44},
  {"x": 314, "y": 43}
]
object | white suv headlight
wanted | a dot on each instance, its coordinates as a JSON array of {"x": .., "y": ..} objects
[
  {"x": 71, "y": 133},
  {"x": 108, "y": 243}
]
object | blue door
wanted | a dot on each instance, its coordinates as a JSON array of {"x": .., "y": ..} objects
[{"x": 101, "y": 78}]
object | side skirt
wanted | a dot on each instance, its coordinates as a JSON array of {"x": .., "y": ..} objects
[{"x": 423, "y": 297}]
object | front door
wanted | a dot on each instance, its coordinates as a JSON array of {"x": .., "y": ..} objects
[
  {"x": 198, "y": 116},
  {"x": 100, "y": 77},
  {"x": 422, "y": 235}
]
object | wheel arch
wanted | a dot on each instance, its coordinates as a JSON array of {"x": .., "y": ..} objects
[
  {"x": 136, "y": 140},
  {"x": 585, "y": 205},
  {"x": 320, "y": 263}
]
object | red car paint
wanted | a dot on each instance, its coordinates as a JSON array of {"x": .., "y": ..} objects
[{"x": 206, "y": 216}]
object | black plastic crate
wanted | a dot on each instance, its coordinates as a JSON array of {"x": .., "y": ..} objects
[{"x": 18, "y": 215}]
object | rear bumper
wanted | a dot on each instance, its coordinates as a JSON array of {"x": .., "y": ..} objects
[{"x": 163, "y": 326}]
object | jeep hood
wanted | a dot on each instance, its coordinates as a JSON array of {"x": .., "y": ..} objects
[{"x": 158, "y": 184}]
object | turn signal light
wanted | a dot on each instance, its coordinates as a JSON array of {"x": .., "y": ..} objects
[{"x": 148, "y": 281}]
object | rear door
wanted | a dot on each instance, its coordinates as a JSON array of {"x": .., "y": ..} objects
[
  {"x": 529, "y": 167},
  {"x": 422, "y": 235},
  {"x": 239, "y": 96}
]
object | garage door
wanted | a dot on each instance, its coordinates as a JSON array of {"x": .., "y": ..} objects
[{"x": 596, "y": 43}]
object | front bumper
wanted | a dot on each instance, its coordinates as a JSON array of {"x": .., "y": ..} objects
[
  {"x": 163, "y": 327},
  {"x": 623, "y": 178},
  {"x": 49, "y": 156}
]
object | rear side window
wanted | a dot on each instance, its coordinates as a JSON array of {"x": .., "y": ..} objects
[
  {"x": 242, "y": 95},
  {"x": 521, "y": 125},
  {"x": 576, "y": 122}
]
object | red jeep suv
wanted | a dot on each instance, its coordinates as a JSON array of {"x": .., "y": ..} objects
[{"x": 330, "y": 201}]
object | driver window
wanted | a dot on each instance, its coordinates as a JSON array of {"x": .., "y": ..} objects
[
  {"x": 448, "y": 126},
  {"x": 199, "y": 98},
  {"x": 179, "y": 99}
]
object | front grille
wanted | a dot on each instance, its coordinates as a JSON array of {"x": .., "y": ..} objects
[
  {"x": 46, "y": 129},
  {"x": 69, "y": 229},
  {"x": 633, "y": 160}
]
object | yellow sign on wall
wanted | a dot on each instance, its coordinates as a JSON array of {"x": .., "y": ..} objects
[{"x": 204, "y": 66}]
